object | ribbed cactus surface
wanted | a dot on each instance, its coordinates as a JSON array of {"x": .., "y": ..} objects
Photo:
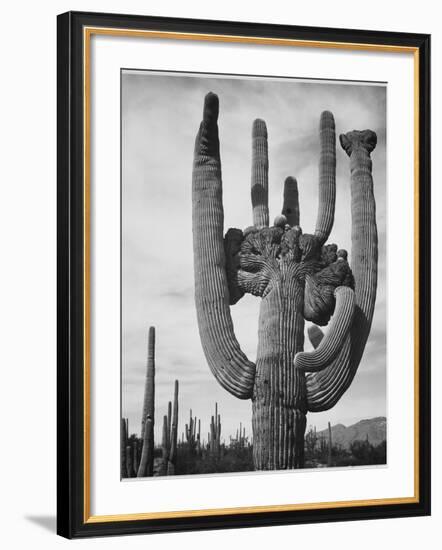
[
  {"x": 325, "y": 388},
  {"x": 260, "y": 174},
  {"x": 173, "y": 434},
  {"x": 297, "y": 276},
  {"x": 290, "y": 207},
  {"x": 148, "y": 416},
  {"x": 327, "y": 177},
  {"x": 228, "y": 363}
]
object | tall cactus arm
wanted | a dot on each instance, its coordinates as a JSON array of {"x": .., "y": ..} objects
[
  {"x": 227, "y": 362},
  {"x": 325, "y": 388},
  {"x": 332, "y": 343},
  {"x": 149, "y": 387},
  {"x": 290, "y": 207},
  {"x": 327, "y": 177},
  {"x": 260, "y": 174}
]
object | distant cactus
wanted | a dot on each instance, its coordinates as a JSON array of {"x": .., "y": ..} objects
[
  {"x": 135, "y": 456},
  {"x": 129, "y": 462},
  {"x": 330, "y": 445},
  {"x": 123, "y": 443},
  {"x": 198, "y": 437},
  {"x": 165, "y": 448},
  {"x": 215, "y": 433},
  {"x": 145, "y": 468},
  {"x": 173, "y": 437},
  {"x": 298, "y": 276},
  {"x": 170, "y": 437},
  {"x": 190, "y": 431}
]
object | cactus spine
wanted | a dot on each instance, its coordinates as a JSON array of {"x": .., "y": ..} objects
[
  {"x": 297, "y": 276},
  {"x": 145, "y": 468}
]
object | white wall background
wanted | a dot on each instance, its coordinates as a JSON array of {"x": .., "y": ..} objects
[{"x": 28, "y": 279}]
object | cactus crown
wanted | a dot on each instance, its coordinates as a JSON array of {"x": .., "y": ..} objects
[{"x": 259, "y": 258}]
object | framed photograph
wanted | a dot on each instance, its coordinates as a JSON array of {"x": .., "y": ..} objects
[{"x": 243, "y": 274}]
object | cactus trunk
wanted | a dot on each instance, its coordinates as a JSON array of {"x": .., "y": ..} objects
[{"x": 279, "y": 404}]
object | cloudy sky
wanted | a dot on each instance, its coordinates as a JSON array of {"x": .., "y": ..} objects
[{"x": 160, "y": 117}]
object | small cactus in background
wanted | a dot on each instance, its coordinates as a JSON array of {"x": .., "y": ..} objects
[
  {"x": 173, "y": 437},
  {"x": 190, "y": 430},
  {"x": 198, "y": 437},
  {"x": 215, "y": 433},
  {"x": 135, "y": 457},
  {"x": 129, "y": 462},
  {"x": 123, "y": 443},
  {"x": 330, "y": 444},
  {"x": 170, "y": 437},
  {"x": 145, "y": 468},
  {"x": 298, "y": 276},
  {"x": 165, "y": 447},
  {"x": 311, "y": 440}
]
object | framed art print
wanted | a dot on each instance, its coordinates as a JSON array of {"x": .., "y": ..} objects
[{"x": 243, "y": 274}]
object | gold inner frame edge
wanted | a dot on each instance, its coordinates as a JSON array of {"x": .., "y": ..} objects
[{"x": 87, "y": 33}]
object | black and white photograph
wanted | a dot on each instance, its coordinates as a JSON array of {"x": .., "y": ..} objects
[{"x": 253, "y": 276}]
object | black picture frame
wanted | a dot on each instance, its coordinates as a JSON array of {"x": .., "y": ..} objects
[{"x": 72, "y": 519}]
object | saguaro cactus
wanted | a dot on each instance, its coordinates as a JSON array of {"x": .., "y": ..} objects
[
  {"x": 298, "y": 276},
  {"x": 173, "y": 434},
  {"x": 190, "y": 430},
  {"x": 330, "y": 445},
  {"x": 198, "y": 437},
  {"x": 215, "y": 433},
  {"x": 165, "y": 447},
  {"x": 123, "y": 443},
  {"x": 170, "y": 435},
  {"x": 148, "y": 416},
  {"x": 129, "y": 462},
  {"x": 135, "y": 456}
]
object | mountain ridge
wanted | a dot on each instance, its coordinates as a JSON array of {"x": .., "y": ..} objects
[{"x": 372, "y": 429}]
